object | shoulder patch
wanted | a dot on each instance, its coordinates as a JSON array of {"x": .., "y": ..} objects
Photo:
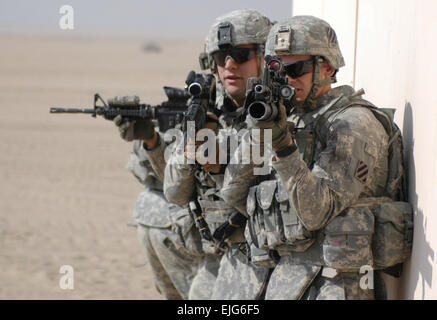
[{"x": 361, "y": 172}]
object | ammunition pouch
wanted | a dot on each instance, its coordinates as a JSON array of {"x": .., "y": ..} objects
[
  {"x": 273, "y": 222},
  {"x": 376, "y": 232},
  {"x": 347, "y": 243},
  {"x": 393, "y": 239}
]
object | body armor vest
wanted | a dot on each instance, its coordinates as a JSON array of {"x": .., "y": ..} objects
[{"x": 364, "y": 234}]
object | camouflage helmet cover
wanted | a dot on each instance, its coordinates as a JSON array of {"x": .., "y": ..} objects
[
  {"x": 305, "y": 35},
  {"x": 237, "y": 28}
]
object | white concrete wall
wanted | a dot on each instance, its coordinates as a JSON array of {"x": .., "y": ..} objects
[{"x": 395, "y": 45}]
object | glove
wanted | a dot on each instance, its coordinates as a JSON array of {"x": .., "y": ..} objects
[
  {"x": 136, "y": 130},
  {"x": 281, "y": 137},
  {"x": 224, "y": 231}
]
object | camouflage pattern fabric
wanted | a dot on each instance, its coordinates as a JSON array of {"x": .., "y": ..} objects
[
  {"x": 309, "y": 35},
  {"x": 344, "y": 286},
  {"x": 289, "y": 280},
  {"x": 166, "y": 232},
  {"x": 203, "y": 283},
  {"x": 140, "y": 166},
  {"x": 247, "y": 27},
  {"x": 354, "y": 139},
  {"x": 181, "y": 181},
  {"x": 152, "y": 210},
  {"x": 152, "y": 161},
  {"x": 173, "y": 271},
  {"x": 238, "y": 279}
]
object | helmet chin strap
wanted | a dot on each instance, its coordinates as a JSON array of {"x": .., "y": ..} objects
[
  {"x": 310, "y": 102},
  {"x": 260, "y": 55}
]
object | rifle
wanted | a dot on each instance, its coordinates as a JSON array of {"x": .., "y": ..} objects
[
  {"x": 202, "y": 226},
  {"x": 203, "y": 91},
  {"x": 263, "y": 97},
  {"x": 202, "y": 88},
  {"x": 168, "y": 113}
]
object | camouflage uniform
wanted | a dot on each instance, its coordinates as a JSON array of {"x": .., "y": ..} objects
[
  {"x": 183, "y": 180},
  {"x": 313, "y": 210},
  {"x": 171, "y": 243},
  {"x": 180, "y": 183}
]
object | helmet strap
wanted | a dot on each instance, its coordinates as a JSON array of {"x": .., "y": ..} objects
[
  {"x": 310, "y": 102},
  {"x": 260, "y": 55}
]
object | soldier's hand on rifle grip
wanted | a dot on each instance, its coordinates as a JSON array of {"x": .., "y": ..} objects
[
  {"x": 281, "y": 136},
  {"x": 135, "y": 130}
]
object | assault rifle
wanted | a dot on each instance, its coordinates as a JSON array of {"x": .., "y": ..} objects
[
  {"x": 202, "y": 88},
  {"x": 203, "y": 91},
  {"x": 264, "y": 96},
  {"x": 168, "y": 113}
]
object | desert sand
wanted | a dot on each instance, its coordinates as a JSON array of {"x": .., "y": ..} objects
[{"x": 65, "y": 195}]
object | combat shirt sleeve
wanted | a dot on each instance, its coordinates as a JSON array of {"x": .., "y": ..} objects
[
  {"x": 355, "y": 144},
  {"x": 139, "y": 165},
  {"x": 179, "y": 178},
  {"x": 240, "y": 175},
  {"x": 237, "y": 181},
  {"x": 156, "y": 157}
]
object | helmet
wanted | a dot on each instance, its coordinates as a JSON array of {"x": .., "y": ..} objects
[
  {"x": 305, "y": 35},
  {"x": 236, "y": 28}
]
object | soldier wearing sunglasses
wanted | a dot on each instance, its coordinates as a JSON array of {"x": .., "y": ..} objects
[
  {"x": 315, "y": 213},
  {"x": 183, "y": 267},
  {"x": 235, "y": 49}
]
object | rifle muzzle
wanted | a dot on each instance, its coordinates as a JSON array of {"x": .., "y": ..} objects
[
  {"x": 261, "y": 111},
  {"x": 195, "y": 89}
]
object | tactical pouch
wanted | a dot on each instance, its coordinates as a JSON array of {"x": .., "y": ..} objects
[
  {"x": 265, "y": 220},
  {"x": 268, "y": 210},
  {"x": 347, "y": 245},
  {"x": 255, "y": 225},
  {"x": 273, "y": 222},
  {"x": 297, "y": 237},
  {"x": 258, "y": 257},
  {"x": 393, "y": 239}
]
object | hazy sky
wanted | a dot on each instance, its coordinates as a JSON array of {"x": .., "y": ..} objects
[{"x": 151, "y": 19}]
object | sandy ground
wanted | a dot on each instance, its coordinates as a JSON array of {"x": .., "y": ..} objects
[{"x": 65, "y": 195}]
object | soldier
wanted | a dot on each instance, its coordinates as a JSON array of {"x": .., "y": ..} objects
[
  {"x": 235, "y": 46},
  {"x": 164, "y": 247},
  {"x": 165, "y": 231},
  {"x": 332, "y": 181}
]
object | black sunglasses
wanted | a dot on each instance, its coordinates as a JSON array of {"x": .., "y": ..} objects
[
  {"x": 239, "y": 55},
  {"x": 299, "y": 68}
]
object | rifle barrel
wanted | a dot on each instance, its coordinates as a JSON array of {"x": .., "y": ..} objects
[{"x": 71, "y": 110}]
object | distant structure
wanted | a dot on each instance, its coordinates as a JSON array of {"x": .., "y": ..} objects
[{"x": 152, "y": 47}]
